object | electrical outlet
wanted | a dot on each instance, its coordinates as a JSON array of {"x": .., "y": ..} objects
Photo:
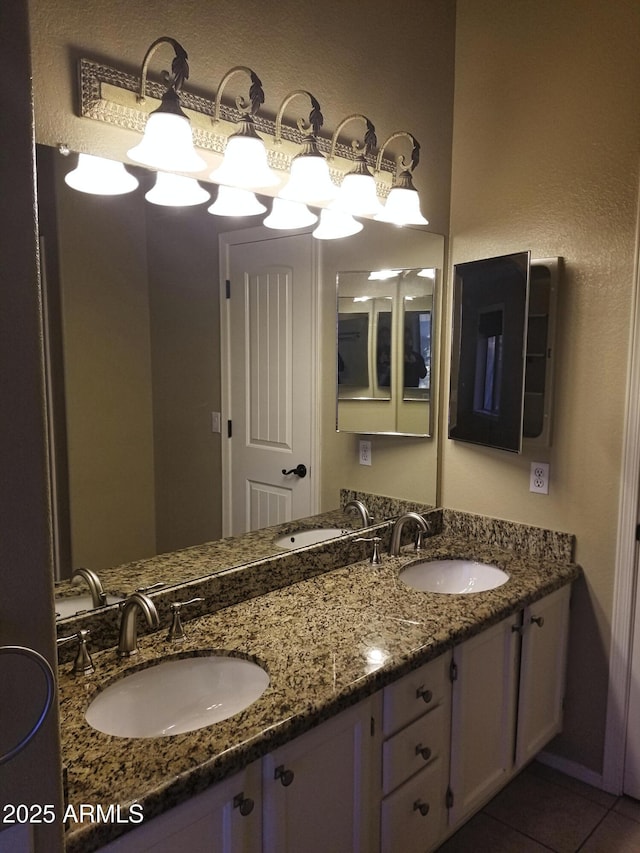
[
  {"x": 539, "y": 478},
  {"x": 215, "y": 422},
  {"x": 365, "y": 453}
]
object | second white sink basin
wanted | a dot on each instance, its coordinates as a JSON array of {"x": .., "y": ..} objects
[
  {"x": 300, "y": 538},
  {"x": 455, "y": 577},
  {"x": 69, "y": 605},
  {"x": 177, "y": 696}
]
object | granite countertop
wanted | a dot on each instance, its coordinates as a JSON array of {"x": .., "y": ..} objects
[{"x": 315, "y": 638}]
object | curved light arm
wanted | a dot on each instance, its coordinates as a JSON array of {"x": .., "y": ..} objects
[
  {"x": 370, "y": 140},
  {"x": 179, "y": 67},
  {"x": 316, "y": 119},
  {"x": 400, "y": 161},
  {"x": 256, "y": 92}
]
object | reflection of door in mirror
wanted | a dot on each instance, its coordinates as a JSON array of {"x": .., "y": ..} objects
[{"x": 271, "y": 366}]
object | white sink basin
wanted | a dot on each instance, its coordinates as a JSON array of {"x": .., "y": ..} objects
[
  {"x": 455, "y": 577},
  {"x": 177, "y": 696},
  {"x": 72, "y": 604},
  {"x": 300, "y": 538}
]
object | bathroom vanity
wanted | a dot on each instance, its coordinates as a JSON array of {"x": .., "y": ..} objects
[{"x": 372, "y": 704}]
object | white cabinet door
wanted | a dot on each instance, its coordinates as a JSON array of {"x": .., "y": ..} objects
[
  {"x": 483, "y": 717},
  {"x": 226, "y": 819},
  {"x": 319, "y": 789},
  {"x": 542, "y": 673}
]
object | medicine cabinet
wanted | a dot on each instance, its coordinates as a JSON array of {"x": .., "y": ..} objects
[{"x": 504, "y": 318}]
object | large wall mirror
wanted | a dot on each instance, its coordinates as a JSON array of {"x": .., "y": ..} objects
[
  {"x": 133, "y": 328},
  {"x": 384, "y": 355}
]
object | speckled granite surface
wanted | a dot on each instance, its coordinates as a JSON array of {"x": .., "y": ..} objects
[
  {"x": 314, "y": 638},
  {"x": 231, "y": 570}
]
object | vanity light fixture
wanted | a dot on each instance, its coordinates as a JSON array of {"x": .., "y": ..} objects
[
  {"x": 289, "y": 215},
  {"x": 167, "y": 143},
  {"x": 176, "y": 191},
  {"x": 357, "y": 194},
  {"x": 99, "y": 176},
  {"x": 232, "y": 201},
  {"x": 403, "y": 203},
  {"x": 335, "y": 224},
  {"x": 309, "y": 181},
  {"x": 245, "y": 163},
  {"x": 427, "y": 273}
]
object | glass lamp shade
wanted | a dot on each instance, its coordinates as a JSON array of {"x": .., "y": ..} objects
[
  {"x": 176, "y": 191},
  {"x": 357, "y": 195},
  {"x": 232, "y": 201},
  {"x": 167, "y": 144},
  {"x": 310, "y": 181},
  {"x": 402, "y": 208},
  {"x": 289, "y": 215},
  {"x": 245, "y": 164},
  {"x": 335, "y": 224},
  {"x": 100, "y": 177}
]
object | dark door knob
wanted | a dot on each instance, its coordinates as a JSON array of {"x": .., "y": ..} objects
[{"x": 300, "y": 471}]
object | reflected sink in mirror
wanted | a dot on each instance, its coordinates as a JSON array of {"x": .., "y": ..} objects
[
  {"x": 176, "y": 696},
  {"x": 300, "y": 538},
  {"x": 71, "y": 604},
  {"x": 452, "y": 577}
]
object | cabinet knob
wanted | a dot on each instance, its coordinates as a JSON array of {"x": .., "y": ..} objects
[
  {"x": 285, "y": 776},
  {"x": 423, "y": 751},
  {"x": 538, "y": 620},
  {"x": 424, "y": 694},
  {"x": 245, "y": 804},
  {"x": 420, "y": 806}
]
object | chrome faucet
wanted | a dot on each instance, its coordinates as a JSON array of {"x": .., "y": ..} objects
[
  {"x": 396, "y": 534},
  {"x": 98, "y": 596},
  {"x": 128, "y": 642},
  {"x": 362, "y": 511}
]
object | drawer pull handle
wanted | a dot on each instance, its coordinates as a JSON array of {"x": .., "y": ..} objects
[
  {"x": 285, "y": 776},
  {"x": 424, "y": 694},
  {"x": 424, "y": 751},
  {"x": 539, "y": 620},
  {"x": 421, "y": 807},
  {"x": 245, "y": 804}
]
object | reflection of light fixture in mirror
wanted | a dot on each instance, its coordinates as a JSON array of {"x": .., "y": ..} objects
[
  {"x": 309, "y": 180},
  {"x": 245, "y": 157},
  {"x": 334, "y": 224},
  {"x": 176, "y": 191},
  {"x": 427, "y": 273},
  {"x": 167, "y": 142},
  {"x": 98, "y": 176},
  {"x": 357, "y": 194},
  {"x": 289, "y": 215},
  {"x": 383, "y": 275},
  {"x": 235, "y": 202},
  {"x": 403, "y": 203}
]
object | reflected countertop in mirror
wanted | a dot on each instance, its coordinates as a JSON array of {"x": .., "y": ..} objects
[{"x": 229, "y": 570}]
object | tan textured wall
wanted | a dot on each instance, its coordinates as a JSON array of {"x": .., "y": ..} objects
[
  {"x": 26, "y": 603},
  {"x": 545, "y": 157}
]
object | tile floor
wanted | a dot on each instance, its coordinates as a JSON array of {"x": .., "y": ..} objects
[{"x": 544, "y": 810}]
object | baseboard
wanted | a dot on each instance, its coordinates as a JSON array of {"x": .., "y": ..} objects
[{"x": 571, "y": 768}]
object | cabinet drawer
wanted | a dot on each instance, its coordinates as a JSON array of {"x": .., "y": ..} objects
[
  {"x": 414, "y": 694},
  {"x": 411, "y": 749},
  {"x": 403, "y": 825}
]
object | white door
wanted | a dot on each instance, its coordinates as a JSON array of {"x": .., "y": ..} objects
[{"x": 269, "y": 384}]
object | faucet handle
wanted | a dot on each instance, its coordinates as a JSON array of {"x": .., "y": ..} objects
[
  {"x": 82, "y": 665},
  {"x": 376, "y": 559},
  {"x": 145, "y": 589},
  {"x": 176, "y": 631}
]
